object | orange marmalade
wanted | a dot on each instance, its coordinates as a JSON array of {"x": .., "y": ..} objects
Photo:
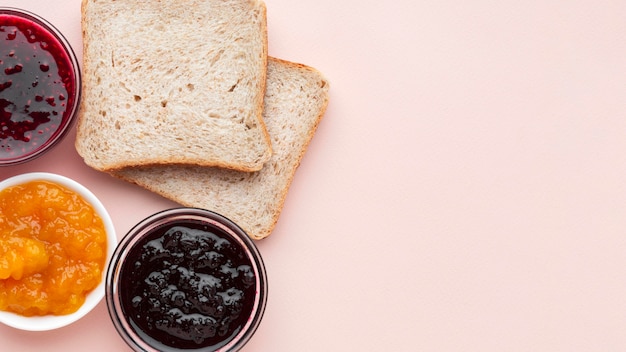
[{"x": 52, "y": 249}]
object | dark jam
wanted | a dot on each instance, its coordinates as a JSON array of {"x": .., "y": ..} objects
[
  {"x": 187, "y": 287},
  {"x": 36, "y": 86}
]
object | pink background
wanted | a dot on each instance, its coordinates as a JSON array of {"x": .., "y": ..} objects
[{"x": 466, "y": 190}]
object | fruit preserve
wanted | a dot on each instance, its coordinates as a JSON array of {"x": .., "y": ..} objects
[
  {"x": 53, "y": 248},
  {"x": 39, "y": 86},
  {"x": 186, "y": 282}
]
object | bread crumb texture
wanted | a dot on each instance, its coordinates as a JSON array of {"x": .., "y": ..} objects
[{"x": 170, "y": 82}]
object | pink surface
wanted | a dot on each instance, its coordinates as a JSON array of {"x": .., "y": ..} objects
[{"x": 466, "y": 190}]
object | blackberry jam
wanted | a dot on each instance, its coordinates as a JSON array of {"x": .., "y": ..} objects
[
  {"x": 186, "y": 279},
  {"x": 39, "y": 85}
]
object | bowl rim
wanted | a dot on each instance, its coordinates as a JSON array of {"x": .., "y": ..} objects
[
  {"x": 51, "y": 322},
  {"x": 63, "y": 129},
  {"x": 165, "y": 218}
]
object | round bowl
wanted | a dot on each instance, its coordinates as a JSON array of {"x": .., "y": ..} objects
[
  {"x": 40, "y": 86},
  {"x": 186, "y": 279},
  {"x": 50, "y": 322}
]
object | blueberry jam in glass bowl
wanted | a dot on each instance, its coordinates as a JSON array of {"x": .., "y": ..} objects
[
  {"x": 186, "y": 279},
  {"x": 39, "y": 86}
]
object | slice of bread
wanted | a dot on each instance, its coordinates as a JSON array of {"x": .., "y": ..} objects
[
  {"x": 173, "y": 82},
  {"x": 295, "y": 101}
]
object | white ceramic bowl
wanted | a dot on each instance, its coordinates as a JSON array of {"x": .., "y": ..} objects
[{"x": 50, "y": 322}]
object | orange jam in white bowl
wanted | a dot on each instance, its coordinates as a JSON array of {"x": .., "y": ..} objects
[{"x": 55, "y": 241}]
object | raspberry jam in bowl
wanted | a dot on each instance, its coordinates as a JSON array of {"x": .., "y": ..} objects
[
  {"x": 39, "y": 86},
  {"x": 186, "y": 279}
]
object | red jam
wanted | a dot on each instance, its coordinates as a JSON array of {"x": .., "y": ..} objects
[{"x": 37, "y": 86}]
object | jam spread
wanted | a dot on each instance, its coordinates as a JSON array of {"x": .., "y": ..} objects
[
  {"x": 36, "y": 86},
  {"x": 187, "y": 286},
  {"x": 53, "y": 249}
]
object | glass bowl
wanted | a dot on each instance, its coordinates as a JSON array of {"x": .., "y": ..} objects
[
  {"x": 186, "y": 279},
  {"x": 40, "y": 86},
  {"x": 50, "y": 322}
]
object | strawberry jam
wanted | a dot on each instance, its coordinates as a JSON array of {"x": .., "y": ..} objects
[{"x": 38, "y": 85}]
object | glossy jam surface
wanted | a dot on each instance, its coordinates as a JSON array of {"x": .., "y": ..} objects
[
  {"x": 52, "y": 249},
  {"x": 187, "y": 286},
  {"x": 36, "y": 86}
]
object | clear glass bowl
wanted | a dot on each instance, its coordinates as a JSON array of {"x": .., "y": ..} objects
[
  {"x": 123, "y": 277},
  {"x": 40, "y": 86}
]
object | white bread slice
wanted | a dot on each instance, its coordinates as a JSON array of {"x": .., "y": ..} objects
[
  {"x": 295, "y": 101},
  {"x": 173, "y": 82}
]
